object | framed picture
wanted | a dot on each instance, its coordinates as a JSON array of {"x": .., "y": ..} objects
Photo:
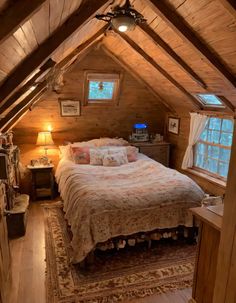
[
  {"x": 173, "y": 125},
  {"x": 70, "y": 108}
]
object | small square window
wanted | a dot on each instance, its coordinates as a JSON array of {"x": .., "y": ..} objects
[
  {"x": 101, "y": 88},
  {"x": 209, "y": 100}
]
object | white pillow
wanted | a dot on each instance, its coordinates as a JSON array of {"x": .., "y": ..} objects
[
  {"x": 96, "y": 156},
  {"x": 65, "y": 152},
  {"x": 115, "y": 159}
]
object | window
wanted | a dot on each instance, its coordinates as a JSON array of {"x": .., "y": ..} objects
[
  {"x": 212, "y": 151},
  {"x": 101, "y": 88},
  {"x": 209, "y": 100}
]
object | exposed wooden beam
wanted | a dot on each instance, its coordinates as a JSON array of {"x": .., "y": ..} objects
[
  {"x": 49, "y": 64},
  {"x": 78, "y": 19},
  {"x": 178, "y": 24},
  {"x": 152, "y": 62},
  {"x": 159, "y": 42},
  {"x": 136, "y": 76},
  {"x": 19, "y": 107},
  {"x": 22, "y": 112},
  {"x": 14, "y": 16},
  {"x": 71, "y": 57},
  {"x": 230, "y": 5}
]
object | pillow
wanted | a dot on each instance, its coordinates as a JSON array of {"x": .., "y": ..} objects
[
  {"x": 96, "y": 156},
  {"x": 80, "y": 155},
  {"x": 83, "y": 144},
  {"x": 65, "y": 152},
  {"x": 111, "y": 142},
  {"x": 132, "y": 153},
  {"x": 115, "y": 159}
]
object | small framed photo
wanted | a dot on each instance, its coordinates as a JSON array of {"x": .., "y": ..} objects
[
  {"x": 173, "y": 125},
  {"x": 70, "y": 108}
]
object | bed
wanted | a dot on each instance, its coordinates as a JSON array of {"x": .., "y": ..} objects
[{"x": 101, "y": 203}]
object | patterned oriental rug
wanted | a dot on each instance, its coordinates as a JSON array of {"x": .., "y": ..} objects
[{"x": 129, "y": 273}]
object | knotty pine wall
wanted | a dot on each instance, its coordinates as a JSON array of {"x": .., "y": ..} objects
[{"x": 136, "y": 104}]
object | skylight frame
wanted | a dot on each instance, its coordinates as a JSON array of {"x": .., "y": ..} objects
[{"x": 199, "y": 97}]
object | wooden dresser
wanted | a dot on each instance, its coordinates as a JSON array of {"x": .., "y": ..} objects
[
  {"x": 159, "y": 152},
  {"x": 207, "y": 253}
]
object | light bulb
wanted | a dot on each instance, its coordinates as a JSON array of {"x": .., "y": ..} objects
[
  {"x": 49, "y": 128},
  {"x": 123, "y": 28}
]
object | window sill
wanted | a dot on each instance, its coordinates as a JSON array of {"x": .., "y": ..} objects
[{"x": 211, "y": 179}]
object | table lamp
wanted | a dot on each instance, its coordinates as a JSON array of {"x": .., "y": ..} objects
[{"x": 45, "y": 139}]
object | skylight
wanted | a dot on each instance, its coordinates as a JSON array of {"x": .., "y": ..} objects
[{"x": 210, "y": 100}]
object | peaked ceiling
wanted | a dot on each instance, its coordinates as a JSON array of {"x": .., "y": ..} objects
[{"x": 186, "y": 47}]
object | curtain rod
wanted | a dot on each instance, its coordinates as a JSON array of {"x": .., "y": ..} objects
[{"x": 214, "y": 114}]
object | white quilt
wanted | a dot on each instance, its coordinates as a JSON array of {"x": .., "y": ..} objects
[{"x": 104, "y": 202}]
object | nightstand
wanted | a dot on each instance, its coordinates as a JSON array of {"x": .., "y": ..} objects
[
  {"x": 42, "y": 181},
  {"x": 159, "y": 151}
]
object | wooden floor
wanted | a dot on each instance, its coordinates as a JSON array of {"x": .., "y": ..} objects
[{"x": 28, "y": 266}]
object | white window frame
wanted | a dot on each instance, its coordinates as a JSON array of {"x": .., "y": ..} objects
[
  {"x": 212, "y": 106},
  {"x": 217, "y": 176},
  {"x": 102, "y": 77}
]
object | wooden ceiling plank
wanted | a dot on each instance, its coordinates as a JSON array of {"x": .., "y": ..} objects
[
  {"x": 179, "y": 26},
  {"x": 136, "y": 76},
  {"x": 230, "y": 5},
  {"x": 77, "y": 20},
  {"x": 16, "y": 15},
  {"x": 19, "y": 115},
  {"x": 6, "y": 120},
  {"x": 26, "y": 86},
  {"x": 82, "y": 47},
  {"x": 150, "y": 60},
  {"x": 227, "y": 103},
  {"x": 159, "y": 42}
]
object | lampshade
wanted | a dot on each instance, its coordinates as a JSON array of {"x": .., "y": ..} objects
[
  {"x": 123, "y": 23},
  {"x": 44, "y": 139}
]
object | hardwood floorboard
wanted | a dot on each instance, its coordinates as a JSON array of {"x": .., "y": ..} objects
[{"x": 28, "y": 266}]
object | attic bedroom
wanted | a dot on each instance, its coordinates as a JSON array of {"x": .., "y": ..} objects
[{"x": 117, "y": 151}]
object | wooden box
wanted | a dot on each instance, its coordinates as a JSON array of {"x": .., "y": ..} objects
[{"x": 17, "y": 217}]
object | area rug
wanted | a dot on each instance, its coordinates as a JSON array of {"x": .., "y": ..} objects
[{"x": 129, "y": 273}]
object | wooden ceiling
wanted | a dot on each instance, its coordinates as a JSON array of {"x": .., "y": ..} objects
[{"x": 185, "y": 47}]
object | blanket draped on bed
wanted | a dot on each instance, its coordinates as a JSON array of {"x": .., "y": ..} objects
[{"x": 104, "y": 202}]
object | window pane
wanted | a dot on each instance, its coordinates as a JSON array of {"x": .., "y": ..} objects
[
  {"x": 204, "y": 135},
  {"x": 224, "y": 154},
  {"x": 223, "y": 169},
  {"x": 213, "y": 136},
  {"x": 215, "y": 123},
  {"x": 201, "y": 148},
  {"x": 227, "y": 125},
  {"x": 209, "y": 99},
  {"x": 213, "y": 151},
  {"x": 226, "y": 139},
  {"x": 199, "y": 161},
  {"x": 212, "y": 165},
  {"x": 100, "y": 90}
]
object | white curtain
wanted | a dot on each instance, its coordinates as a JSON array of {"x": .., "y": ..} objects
[{"x": 197, "y": 125}]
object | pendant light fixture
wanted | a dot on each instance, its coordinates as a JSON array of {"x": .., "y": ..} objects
[{"x": 123, "y": 18}]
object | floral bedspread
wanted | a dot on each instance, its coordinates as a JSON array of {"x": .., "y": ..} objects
[{"x": 104, "y": 202}]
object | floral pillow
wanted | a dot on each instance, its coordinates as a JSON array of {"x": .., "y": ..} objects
[
  {"x": 132, "y": 153},
  {"x": 81, "y": 155},
  {"x": 96, "y": 156},
  {"x": 115, "y": 159}
]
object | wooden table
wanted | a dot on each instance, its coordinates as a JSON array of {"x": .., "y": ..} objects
[{"x": 207, "y": 252}]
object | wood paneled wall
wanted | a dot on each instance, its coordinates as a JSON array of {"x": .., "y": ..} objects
[{"x": 136, "y": 104}]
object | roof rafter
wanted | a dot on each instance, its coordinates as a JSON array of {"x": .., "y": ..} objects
[
  {"x": 14, "y": 16},
  {"x": 177, "y": 23},
  {"x": 150, "y": 60},
  {"x": 137, "y": 77},
  {"x": 159, "y": 42},
  {"x": 49, "y": 64},
  {"x": 17, "y": 110},
  {"x": 78, "y": 19}
]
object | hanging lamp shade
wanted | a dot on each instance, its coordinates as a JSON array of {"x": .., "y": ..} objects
[{"x": 123, "y": 23}]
